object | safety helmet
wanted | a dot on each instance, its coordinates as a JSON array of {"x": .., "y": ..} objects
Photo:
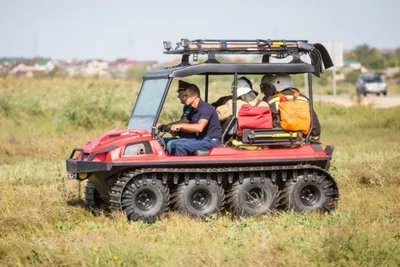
[
  {"x": 266, "y": 79},
  {"x": 282, "y": 81},
  {"x": 248, "y": 81},
  {"x": 243, "y": 87}
]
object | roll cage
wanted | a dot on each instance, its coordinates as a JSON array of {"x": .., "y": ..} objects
[{"x": 317, "y": 53}]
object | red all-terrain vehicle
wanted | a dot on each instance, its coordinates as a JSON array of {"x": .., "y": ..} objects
[{"x": 130, "y": 170}]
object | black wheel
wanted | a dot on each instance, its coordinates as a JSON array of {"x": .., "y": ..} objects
[
  {"x": 200, "y": 199},
  {"x": 144, "y": 199},
  {"x": 364, "y": 93},
  {"x": 318, "y": 194},
  {"x": 252, "y": 198},
  {"x": 378, "y": 94},
  {"x": 384, "y": 93},
  {"x": 93, "y": 200}
]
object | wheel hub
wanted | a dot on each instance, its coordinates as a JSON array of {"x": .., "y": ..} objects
[
  {"x": 145, "y": 200},
  {"x": 310, "y": 195},
  {"x": 201, "y": 199}
]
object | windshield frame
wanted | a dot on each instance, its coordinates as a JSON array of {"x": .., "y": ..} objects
[{"x": 153, "y": 117}]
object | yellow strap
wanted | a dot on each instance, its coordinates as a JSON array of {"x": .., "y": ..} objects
[
  {"x": 302, "y": 98},
  {"x": 299, "y": 98},
  {"x": 249, "y": 147},
  {"x": 273, "y": 100},
  {"x": 274, "y": 135}
]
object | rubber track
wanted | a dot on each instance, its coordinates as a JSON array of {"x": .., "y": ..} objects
[
  {"x": 89, "y": 196},
  {"x": 117, "y": 189}
]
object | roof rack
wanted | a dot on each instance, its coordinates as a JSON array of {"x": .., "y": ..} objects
[
  {"x": 319, "y": 56},
  {"x": 258, "y": 46}
]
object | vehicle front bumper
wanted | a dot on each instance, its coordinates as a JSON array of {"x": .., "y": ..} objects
[
  {"x": 77, "y": 166},
  {"x": 80, "y": 166},
  {"x": 375, "y": 89}
]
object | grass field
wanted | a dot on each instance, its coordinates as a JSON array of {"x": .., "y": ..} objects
[{"x": 42, "y": 221}]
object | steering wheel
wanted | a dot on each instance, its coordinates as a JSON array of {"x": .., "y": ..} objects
[
  {"x": 160, "y": 132},
  {"x": 159, "y": 135}
]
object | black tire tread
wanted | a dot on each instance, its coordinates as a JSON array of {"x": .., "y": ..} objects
[
  {"x": 177, "y": 199},
  {"x": 233, "y": 200},
  {"x": 285, "y": 198},
  {"x": 167, "y": 176},
  {"x": 89, "y": 196},
  {"x": 124, "y": 181},
  {"x": 93, "y": 201}
]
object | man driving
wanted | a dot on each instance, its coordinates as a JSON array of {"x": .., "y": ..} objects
[
  {"x": 204, "y": 123},
  {"x": 188, "y": 111}
]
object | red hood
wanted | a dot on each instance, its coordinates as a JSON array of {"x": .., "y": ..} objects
[{"x": 115, "y": 136}]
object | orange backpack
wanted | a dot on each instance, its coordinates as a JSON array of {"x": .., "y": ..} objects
[{"x": 294, "y": 115}]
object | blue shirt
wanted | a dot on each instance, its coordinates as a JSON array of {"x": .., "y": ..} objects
[{"x": 207, "y": 112}]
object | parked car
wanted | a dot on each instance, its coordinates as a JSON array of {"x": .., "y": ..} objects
[{"x": 371, "y": 84}]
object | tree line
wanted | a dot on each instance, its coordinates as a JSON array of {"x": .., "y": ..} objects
[{"x": 373, "y": 58}]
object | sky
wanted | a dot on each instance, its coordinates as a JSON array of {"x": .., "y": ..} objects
[{"x": 135, "y": 29}]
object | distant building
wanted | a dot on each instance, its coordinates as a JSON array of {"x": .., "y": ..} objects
[
  {"x": 25, "y": 68},
  {"x": 8, "y": 61},
  {"x": 353, "y": 64},
  {"x": 119, "y": 68},
  {"x": 95, "y": 67},
  {"x": 44, "y": 65}
]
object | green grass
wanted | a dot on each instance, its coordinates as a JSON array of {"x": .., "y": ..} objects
[{"x": 43, "y": 223}]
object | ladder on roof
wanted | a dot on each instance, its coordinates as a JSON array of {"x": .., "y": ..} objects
[
  {"x": 279, "y": 48},
  {"x": 257, "y": 46}
]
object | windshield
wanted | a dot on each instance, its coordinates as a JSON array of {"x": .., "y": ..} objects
[
  {"x": 147, "y": 104},
  {"x": 373, "y": 79}
]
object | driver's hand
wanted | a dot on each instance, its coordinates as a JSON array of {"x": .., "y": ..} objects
[
  {"x": 175, "y": 127},
  {"x": 162, "y": 127}
]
